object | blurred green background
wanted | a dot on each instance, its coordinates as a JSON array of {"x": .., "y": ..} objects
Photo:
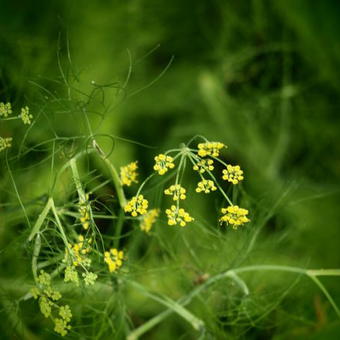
[{"x": 261, "y": 76}]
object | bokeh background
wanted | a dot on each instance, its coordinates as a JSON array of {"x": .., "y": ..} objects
[{"x": 261, "y": 76}]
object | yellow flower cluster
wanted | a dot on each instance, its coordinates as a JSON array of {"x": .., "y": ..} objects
[
  {"x": 84, "y": 211},
  {"x": 149, "y": 219},
  {"x": 234, "y": 215},
  {"x": 204, "y": 165},
  {"x": 47, "y": 301},
  {"x": 137, "y": 205},
  {"x": 206, "y": 186},
  {"x": 61, "y": 324},
  {"x": 177, "y": 191},
  {"x": 5, "y": 143},
  {"x": 210, "y": 149},
  {"x": 178, "y": 216},
  {"x": 163, "y": 163},
  {"x": 233, "y": 174},
  {"x": 128, "y": 174},
  {"x": 5, "y": 109},
  {"x": 25, "y": 115},
  {"x": 114, "y": 259},
  {"x": 71, "y": 275},
  {"x": 80, "y": 250},
  {"x": 78, "y": 257},
  {"x": 89, "y": 278}
]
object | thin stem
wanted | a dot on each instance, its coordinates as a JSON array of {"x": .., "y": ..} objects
[
  {"x": 41, "y": 219},
  {"x": 77, "y": 181},
  {"x": 36, "y": 252},
  {"x": 118, "y": 228},
  {"x": 135, "y": 334},
  {"x": 116, "y": 181}
]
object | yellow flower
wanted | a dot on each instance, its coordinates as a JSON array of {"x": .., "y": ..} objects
[
  {"x": 114, "y": 259},
  {"x": 206, "y": 186},
  {"x": 79, "y": 252},
  {"x": 210, "y": 149},
  {"x": 5, "y": 109},
  {"x": 234, "y": 216},
  {"x": 89, "y": 278},
  {"x": 137, "y": 205},
  {"x": 178, "y": 216},
  {"x": 25, "y": 115},
  {"x": 71, "y": 275},
  {"x": 233, "y": 174},
  {"x": 65, "y": 313},
  {"x": 5, "y": 143},
  {"x": 163, "y": 164},
  {"x": 45, "y": 306},
  {"x": 177, "y": 191},
  {"x": 84, "y": 211},
  {"x": 61, "y": 326},
  {"x": 128, "y": 174},
  {"x": 149, "y": 219},
  {"x": 204, "y": 165}
]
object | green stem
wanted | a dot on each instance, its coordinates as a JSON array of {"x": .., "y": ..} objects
[
  {"x": 231, "y": 273},
  {"x": 116, "y": 181},
  {"x": 41, "y": 219},
  {"x": 119, "y": 227},
  {"x": 36, "y": 251},
  {"x": 59, "y": 225},
  {"x": 77, "y": 181}
]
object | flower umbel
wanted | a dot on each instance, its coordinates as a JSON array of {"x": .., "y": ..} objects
[
  {"x": 71, "y": 275},
  {"x": 204, "y": 165},
  {"x": 233, "y": 174},
  {"x": 5, "y": 143},
  {"x": 137, "y": 205},
  {"x": 79, "y": 252},
  {"x": 47, "y": 303},
  {"x": 5, "y": 109},
  {"x": 114, "y": 259},
  {"x": 61, "y": 326},
  {"x": 84, "y": 211},
  {"x": 25, "y": 115},
  {"x": 149, "y": 219},
  {"x": 206, "y": 186},
  {"x": 210, "y": 149},
  {"x": 163, "y": 163},
  {"x": 178, "y": 216},
  {"x": 234, "y": 215},
  {"x": 89, "y": 278},
  {"x": 177, "y": 191},
  {"x": 128, "y": 174}
]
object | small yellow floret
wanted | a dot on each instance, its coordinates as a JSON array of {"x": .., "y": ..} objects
[
  {"x": 233, "y": 174},
  {"x": 61, "y": 326},
  {"x": 5, "y": 109},
  {"x": 234, "y": 215},
  {"x": 204, "y": 165},
  {"x": 137, "y": 205},
  {"x": 210, "y": 149},
  {"x": 206, "y": 186},
  {"x": 84, "y": 211},
  {"x": 178, "y": 216},
  {"x": 148, "y": 220},
  {"x": 128, "y": 174},
  {"x": 163, "y": 163},
  {"x": 177, "y": 191},
  {"x": 25, "y": 115},
  {"x": 79, "y": 252},
  {"x": 114, "y": 259},
  {"x": 5, "y": 143}
]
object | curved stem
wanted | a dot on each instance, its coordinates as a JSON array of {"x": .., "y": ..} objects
[
  {"x": 230, "y": 273},
  {"x": 116, "y": 181}
]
